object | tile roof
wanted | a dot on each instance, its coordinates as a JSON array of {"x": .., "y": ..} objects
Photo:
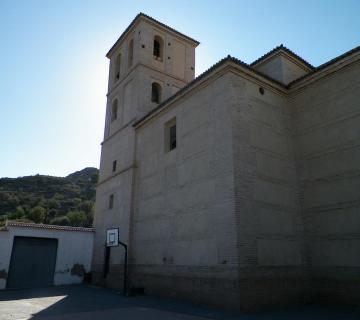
[
  {"x": 153, "y": 20},
  {"x": 47, "y": 226},
  {"x": 250, "y": 68},
  {"x": 203, "y": 75},
  {"x": 182, "y": 90},
  {"x": 283, "y": 48},
  {"x": 326, "y": 64}
]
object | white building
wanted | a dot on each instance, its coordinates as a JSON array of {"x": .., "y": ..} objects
[{"x": 39, "y": 255}]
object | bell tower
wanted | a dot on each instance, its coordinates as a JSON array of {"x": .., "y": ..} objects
[{"x": 148, "y": 64}]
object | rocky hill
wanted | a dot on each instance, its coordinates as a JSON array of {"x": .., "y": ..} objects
[{"x": 47, "y": 199}]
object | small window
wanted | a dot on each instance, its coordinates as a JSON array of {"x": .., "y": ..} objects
[
  {"x": 170, "y": 135},
  {"x": 114, "y": 166},
  {"x": 131, "y": 53},
  {"x": 172, "y": 144},
  {"x": 114, "y": 110},
  {"x": 111, "y": 201},
  {"x": 158, "y": 48},
  {"x": 155, "y": 92},
  {"x": 117, "y": 67}
]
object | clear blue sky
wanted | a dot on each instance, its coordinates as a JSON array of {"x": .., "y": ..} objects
[{"x": 53, "y": 70}]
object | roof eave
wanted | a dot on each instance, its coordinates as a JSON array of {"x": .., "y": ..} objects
[
  {"x": 282, "y": 49},
  {"x": 344, "y": 59},
  {"x": 16, "y": 224},
  {"x": 151, "y": 20},
  {"x": 206, "y": 75}
]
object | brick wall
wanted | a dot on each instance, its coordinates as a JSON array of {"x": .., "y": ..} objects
[{"x": 327, "y": 135}]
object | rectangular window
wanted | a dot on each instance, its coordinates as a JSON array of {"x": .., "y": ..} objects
[
  {"x": 170, "y": 135},
  {"x": 117, "y": 67},
  {"x": 173, "y": 137},
  {"x": 111, "y": 201},
  {"x": 114, "y": 166}
]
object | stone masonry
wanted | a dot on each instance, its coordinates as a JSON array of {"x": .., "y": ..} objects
[{"x": 258, "y": 202}]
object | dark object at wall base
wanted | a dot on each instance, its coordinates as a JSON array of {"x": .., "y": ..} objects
[
  {"x": 137, "y": 291},
  {"x": 87, "y": 278}
]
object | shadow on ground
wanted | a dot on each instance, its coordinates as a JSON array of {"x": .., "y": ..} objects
[{"x": 86, "y": 302}]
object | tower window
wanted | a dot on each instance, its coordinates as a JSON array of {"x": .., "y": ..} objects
[
  {"x": 158, "y": 48},
  {"x": 117, "y": 67},
  {"x": 114, "y": 110},
  {"x": 155, "y": 92},
  {"x": 170, "y": 135},
  {"x": 131, "y": 53},
  {"x": 114, "y": 164},
  {"x": 111, "y": 201}
]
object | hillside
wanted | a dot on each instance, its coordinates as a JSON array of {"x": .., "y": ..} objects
[{"x": 47, "y": 199}]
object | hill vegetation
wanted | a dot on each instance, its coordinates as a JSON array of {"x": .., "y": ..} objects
[{"x": 47, "y": 199}]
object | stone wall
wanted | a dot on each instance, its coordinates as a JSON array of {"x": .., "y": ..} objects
[
  {"x": 132, "y": 90},
  {"x": 327, "y": 135},
  {"x": 282, "y": 68},
  {"x": 272, "y": 264},
  {"x": 183, "y": 241},
  {"x": 258, "y": 204}
]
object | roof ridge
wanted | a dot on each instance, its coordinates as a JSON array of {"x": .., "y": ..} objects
[
  {"x": 324, "y": 65},
  {"x": 278, "y": 48},
  {"x": 249, "y": 66},
  {"x": 183, "y": 89},
  {"x": 201, "y": 76},
  {"x": 168, "y": 27},
  {"x": 46, "y": 226},
  {"x": 141, "y": 14}
]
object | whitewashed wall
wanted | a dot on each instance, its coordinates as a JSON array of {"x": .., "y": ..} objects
[{"x": 74, "y": 251}]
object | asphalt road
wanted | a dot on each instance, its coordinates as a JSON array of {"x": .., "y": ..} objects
[{"x": 90, "y": 303}]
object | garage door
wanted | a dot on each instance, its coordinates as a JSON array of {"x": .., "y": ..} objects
[{"x": 32, "y": 262}]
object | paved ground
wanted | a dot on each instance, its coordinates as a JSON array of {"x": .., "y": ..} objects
[{"x": 90, "y": 303}]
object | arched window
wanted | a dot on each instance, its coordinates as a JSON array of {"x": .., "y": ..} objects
[
  {"x": 117, "y": 67},
  {"x": 155, "y": 92},
  {"x": 131, "y": 53},
  {"x": 114, "y": 110},
  {"x": 158, "y": 48}
]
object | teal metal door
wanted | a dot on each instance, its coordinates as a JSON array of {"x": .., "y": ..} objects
[{"x": 32, "y": 263}]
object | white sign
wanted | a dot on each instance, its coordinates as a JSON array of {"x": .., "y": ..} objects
[{"x": 112, "y": 237}]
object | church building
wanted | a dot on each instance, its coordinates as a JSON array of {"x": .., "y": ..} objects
[{"x": 239, "y": 188}]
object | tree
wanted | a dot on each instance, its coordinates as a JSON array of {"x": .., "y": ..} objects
[
  {"x": 13, "y": 200},
  {"x": 37, "y": 214},
  {"x": 77, "y": 218},
  {"x": 61, "y": 221},
  {"x": 20, "y": 196},
  {"x": 76, "y": 202},
  {"x": 2, "y": 220},
  {"x": 17, "y": 214},
  {"x": 87, "y": 206},
  {"x": 53, "y": 203},
  {"x": 90, "y": 217}
]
